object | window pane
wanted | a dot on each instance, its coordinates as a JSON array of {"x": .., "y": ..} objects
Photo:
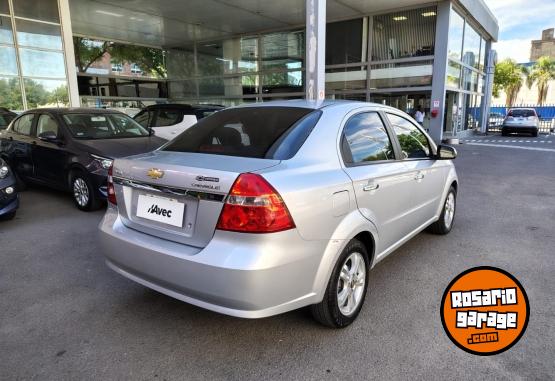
[
  {"x": 471, "y": 52},
  {"x": 180, "y": 63},
  {"x": 349, "y": 78},
  {"x": 367, "y": 138},
  {"x": 481, "y": 65},
  {"x": 414, "y": 143},
  {"x": 46, "y": 92},
  {"x": 23, "y": 125},
  {"x": 46, "y": 124},
  {"x": 406, "y": 74},
  {"x": 38, "y": 34},
  {"x": 285, "y": 82},
  {"x": 10, "y": 93},
  {"x": 143, "y": 118},
  {"x": 103, "y": 126},
  {"x": 456, "y": 28},
  {"x": 8, "y": 64},
  {"x": 404, "y": 34},
  {"x": 284, "y": 50},
  {"x": 168, "y": 118},
  {"x": 237, "y": 132},
  {"x": 237, "y": 55},
  {"x": 6, "y": 36},
  {"x": 344, "y": 42},
  {"x": 36, "y": 63},
  {"x": 453, "y": 74},
  {"x": 45, "y": 10},
  {"x": 4, "y": 7}
]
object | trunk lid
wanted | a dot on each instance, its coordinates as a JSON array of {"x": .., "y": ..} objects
[{"x": 178, "y": 196}]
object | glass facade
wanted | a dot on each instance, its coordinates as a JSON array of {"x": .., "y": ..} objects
[{"x": 32, "y": 61}]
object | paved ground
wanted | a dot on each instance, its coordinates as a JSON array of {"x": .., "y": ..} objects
[{"x": 64, "y": 315}]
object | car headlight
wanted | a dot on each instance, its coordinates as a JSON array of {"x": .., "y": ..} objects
[
  {"x": 4, "y": 170},
  {"x": 104, "y": 162}
]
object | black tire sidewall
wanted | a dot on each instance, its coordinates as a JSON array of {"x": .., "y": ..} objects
[
  {"x": 449, "y": 228},
  {"x": 339, "y": 319}
]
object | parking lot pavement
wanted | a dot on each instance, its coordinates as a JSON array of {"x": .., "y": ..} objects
[
  {"x": 542, "y": 140},
  {"x": 65, "y": 315}
]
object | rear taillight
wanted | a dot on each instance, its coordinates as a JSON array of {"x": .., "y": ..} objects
[
  {"x": 254, "y": 206},
  {"x": 111, "y": 191}
]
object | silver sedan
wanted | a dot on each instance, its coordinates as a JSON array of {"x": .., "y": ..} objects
[{"x": 265, "y": 208}]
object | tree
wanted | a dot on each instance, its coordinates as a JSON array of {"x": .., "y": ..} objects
[
  {"x": 541, "y": 73},
  {"x": 88, "y": 51},
  {"x": 509, "y": 77}
]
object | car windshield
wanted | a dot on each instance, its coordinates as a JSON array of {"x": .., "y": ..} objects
[
  {"x": 522, "y": 113},
  {"x": 103, "y": 126},
  {"x": 244, "y": 132},
  {"x": 5, "y": 120}
]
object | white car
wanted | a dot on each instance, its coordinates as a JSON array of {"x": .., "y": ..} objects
[{"x": 169, "y": 120}]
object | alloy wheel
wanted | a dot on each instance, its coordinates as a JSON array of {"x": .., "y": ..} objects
[
  {"x": 81, "y": 192},
  {"x": 449, "y": 214},
  {"x": 351, "y": 283}
]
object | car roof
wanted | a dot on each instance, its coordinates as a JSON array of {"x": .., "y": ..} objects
[
  {"x": 328, "y": 103},
  {"x": 522, "y": 108},
  {"x": 74, "y": 110},
  {"x": 184, "y": 106}
]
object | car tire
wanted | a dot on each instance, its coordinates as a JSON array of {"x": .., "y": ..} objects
[
  {"x": 503, "y": 133},
  {"x": 83, "y": 192},
  {"x": 535, "y": 134},
  {"x": 8, "y": 216},
  {"x": 348, "y": 281},
  {"x": 447, "y": 217}
]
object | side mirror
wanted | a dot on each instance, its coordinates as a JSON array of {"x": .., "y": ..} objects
[
  {"x": 446, "y": 152},
  {"x": 49, "y": 136},
  {"x": 151, "y": 131}
]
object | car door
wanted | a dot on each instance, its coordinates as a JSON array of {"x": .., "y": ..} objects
[
  {"x": 429, "y": 174},
  {"x": 17, "y": 145},
  {"x": 167, "y": 124},
  {"x": 49, "y": 157},
  {"x": 381, "y": 185}
]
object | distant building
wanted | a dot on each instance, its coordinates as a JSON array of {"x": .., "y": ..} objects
[{"x": 545, "y": 46}]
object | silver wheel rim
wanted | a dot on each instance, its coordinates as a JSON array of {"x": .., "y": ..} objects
[
  {"x": 351, "y": 283},
  {"x": 81, "y": 192},
  {"x": 449, "y": 210}
]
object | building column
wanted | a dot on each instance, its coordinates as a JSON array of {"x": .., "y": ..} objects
[
  {"x": 437, "y": 105},
  {"x": 69, "y": 53},
  {"x": 315, "y": 50},
  {"x": 488, "y": 87}
]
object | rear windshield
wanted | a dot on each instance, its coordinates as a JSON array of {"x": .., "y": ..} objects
[
  {"x": 245, "y": 132},
  {"x": 522, "y": 113},
  {"x": 5, "y": 119},
  {"x": 103, "y": 126}
]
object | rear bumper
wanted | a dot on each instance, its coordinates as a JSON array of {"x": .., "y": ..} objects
[
  {"x": 519, "y": 128},
  {"x": 243, "y": 275}
]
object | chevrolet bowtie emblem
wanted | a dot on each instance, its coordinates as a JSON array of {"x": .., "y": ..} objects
[{"x": 155, "y": 174}]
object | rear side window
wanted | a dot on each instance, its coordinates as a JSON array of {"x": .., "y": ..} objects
[
  {"x": 365, "y": 139},
  {"x": 521, "y": 113},
  {"x": 244, "y": 132},
  {"x": 23, "y": 125},
  {"x": 414, "y": 144},
  {"x": 168, "y": 117},
  {"x": 144, "y": 118}
]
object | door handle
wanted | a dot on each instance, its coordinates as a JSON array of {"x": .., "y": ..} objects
[
  {"x": 370, "y": 187},
  {"x": 419, "y": 176}
]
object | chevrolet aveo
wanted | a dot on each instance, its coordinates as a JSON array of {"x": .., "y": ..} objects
[{"x": 262, "y": 209}]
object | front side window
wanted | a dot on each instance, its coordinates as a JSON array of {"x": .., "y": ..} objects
[
  {"x": 366, "y": 139},
  {"x": 46, "y": 124},
  {"x": 103, "y": 126},
  {"x": 168, "y": 118},
  {"x": 24, "y": 124},
  {"x": 414, "y": 144}
]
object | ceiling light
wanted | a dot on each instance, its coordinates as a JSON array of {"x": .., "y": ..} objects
[
  {"x": 108, "y": 13},
  {"x": 400, "y": 18},
  {"x": 428, "y": 14}
]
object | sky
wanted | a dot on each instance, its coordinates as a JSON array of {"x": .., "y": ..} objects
[{"x": 521, "y": 21}]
